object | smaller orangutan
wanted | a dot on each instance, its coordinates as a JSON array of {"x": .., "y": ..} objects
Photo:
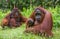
[
  {"x": 42, "y": 22},
  {"x": 29, "y": 23},
  {"x": 14, "y": 19}
]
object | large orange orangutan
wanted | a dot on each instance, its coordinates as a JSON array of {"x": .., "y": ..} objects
[
  {"x": 13, "y": 19},
  {"x": 40, "y": 22}
]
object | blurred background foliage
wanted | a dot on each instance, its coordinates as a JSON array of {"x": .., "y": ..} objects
[{"x": 27, "y": 3}]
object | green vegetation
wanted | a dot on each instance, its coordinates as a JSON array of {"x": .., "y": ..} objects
[
  {"x": 9, "y": 4},
  {"x": 18, "y": 33}
]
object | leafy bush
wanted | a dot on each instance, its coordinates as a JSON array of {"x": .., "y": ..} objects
[
  {"x": 56, "y": 15},
  {"x": 26, "y": 3}
]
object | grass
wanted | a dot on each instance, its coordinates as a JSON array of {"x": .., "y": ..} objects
[{"x": 18, "y": 33}]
